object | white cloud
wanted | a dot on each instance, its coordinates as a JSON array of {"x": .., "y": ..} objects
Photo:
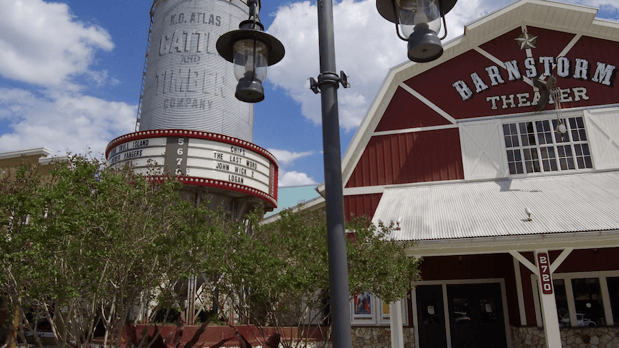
[
  {"x": 294, "y": 179},
  {"x": 43, "y": 44},
  {"x": 62, "y": 122},
  {"x": 285, "y": 157},
  {"x": 366, "y": 48}
]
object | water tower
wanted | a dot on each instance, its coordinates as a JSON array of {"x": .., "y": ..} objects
[{"x": 189, "y": 122}]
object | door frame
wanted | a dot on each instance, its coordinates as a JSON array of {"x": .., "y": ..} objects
[{"x": 444, "y": 283}]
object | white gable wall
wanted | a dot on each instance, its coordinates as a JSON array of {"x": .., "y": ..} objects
[{"x": 603, "y": 131}]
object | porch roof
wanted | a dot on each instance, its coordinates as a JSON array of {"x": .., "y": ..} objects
[{"x": 560, "y": 204}]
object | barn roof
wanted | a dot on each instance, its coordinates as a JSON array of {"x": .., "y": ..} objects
[{"x": 558, "y": 204}]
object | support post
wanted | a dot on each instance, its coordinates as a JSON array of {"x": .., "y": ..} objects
[
  {"x": 396, "y": 322},
  {"x": 190, "y": 311},
  {"x": 336, "y": 242},
  {"x": 547, "y": 296}
]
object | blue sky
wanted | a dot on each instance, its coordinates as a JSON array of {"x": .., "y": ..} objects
[{"x": 70, "y": 73}]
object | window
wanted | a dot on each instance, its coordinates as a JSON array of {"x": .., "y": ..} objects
[
  {"x": 591, "y": 299},
  {"x": 561, "y": 299},
  {"x": 363, "y": 306},
  {"x": 613, "y": 291},
  {"x": 588, "y": 302},
  {"x": 367, "y": 309},
  {"x": 538, "y": 146}
]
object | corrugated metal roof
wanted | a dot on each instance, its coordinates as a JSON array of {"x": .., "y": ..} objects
[{"x": 561, "y": 203}]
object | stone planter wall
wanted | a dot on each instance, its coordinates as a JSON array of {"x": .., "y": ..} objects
[
  {"x": 586, "y": 337},
  {"x": 379, "y": 337}
]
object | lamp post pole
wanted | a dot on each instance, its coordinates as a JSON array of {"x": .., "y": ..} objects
[{"x": 336, "y": 239}]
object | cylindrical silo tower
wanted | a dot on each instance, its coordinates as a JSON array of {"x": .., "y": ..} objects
[
  {"x": 189, "y": 122},
  {"x": 187, "y": 85}
]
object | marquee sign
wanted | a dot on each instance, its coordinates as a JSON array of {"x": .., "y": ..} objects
[{"x": 199, "y": 158}]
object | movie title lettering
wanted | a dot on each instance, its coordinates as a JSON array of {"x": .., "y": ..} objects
[
  {"x": 236, "y": 159},
  {"x": 140, "y": 143},
  {"x": 235, "y": 178},
  {"x": 251, "y": 164},
  {"x": 240, "y": 170},
  {"x": 237, "y": 150},
  {"x": 218, "y": 155},
  {"x": 114, "y": 160},
  {"x": 132, "y": 154},
  {"x": 222, "y": 166}
]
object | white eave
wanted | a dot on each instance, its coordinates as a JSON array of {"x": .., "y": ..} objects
[{"x": 40, "y": 151}]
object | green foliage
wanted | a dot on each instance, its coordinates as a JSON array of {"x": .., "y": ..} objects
[
  {"x": 98, "y": 241},
  {"x": 378, "y": 263},
  {"x": 281, "y": 268},
  {"x": 95, "y": 240}
]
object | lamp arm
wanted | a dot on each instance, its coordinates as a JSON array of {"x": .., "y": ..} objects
[
  {"x": 254, "y": 10},
  {"x": 397, "y": 31},
  {"x": 440, "y": 5}
]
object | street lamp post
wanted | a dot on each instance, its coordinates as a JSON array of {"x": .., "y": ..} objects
[
  {"x": 328, "y": 82},
  {"x": 417, "y": 19}
]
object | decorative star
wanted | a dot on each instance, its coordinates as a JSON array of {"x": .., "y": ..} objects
[{"x": 526, "y": 41}]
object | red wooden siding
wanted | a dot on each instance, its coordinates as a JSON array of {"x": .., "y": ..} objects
[
  {"x": 405, "y": 111},
  {"x": 549, "y": 44},
  {"x": 527, "y": 291},
  {"x": 409, "y": 158},
  {"x": 360, "y": 205},
  {"x": 588, "y": 260},
  {"x": 436, "y": 83},
  {"x": 594, "y": 50}
]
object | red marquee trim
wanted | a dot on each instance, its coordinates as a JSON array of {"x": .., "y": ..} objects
[
  {"x": 190, "y": 134},
  {"x": 192, "y": 180}
]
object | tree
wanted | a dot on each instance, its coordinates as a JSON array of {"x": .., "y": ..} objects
[
  {"x": 279, "y": 271},
  {"x": 85, "y": 247},
  {"x": 81, "y": 247}
]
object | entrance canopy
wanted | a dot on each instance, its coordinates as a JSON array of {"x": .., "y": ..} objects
[{"x": 576, "y": 207}]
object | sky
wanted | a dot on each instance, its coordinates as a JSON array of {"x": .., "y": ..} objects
[{"x": 70, "y": 73}]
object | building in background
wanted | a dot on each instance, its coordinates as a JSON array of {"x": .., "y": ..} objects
[
  {"x": 35, "y": 157},
  {"x": 514, "y": 204}
]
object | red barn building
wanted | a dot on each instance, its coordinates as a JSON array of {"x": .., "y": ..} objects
[{"x": 501, "y": 160}]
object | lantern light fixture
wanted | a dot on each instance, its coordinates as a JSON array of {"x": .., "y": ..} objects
[
  {"x": 420, "y": 22},
  {"x": 251, "y": 50}
]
